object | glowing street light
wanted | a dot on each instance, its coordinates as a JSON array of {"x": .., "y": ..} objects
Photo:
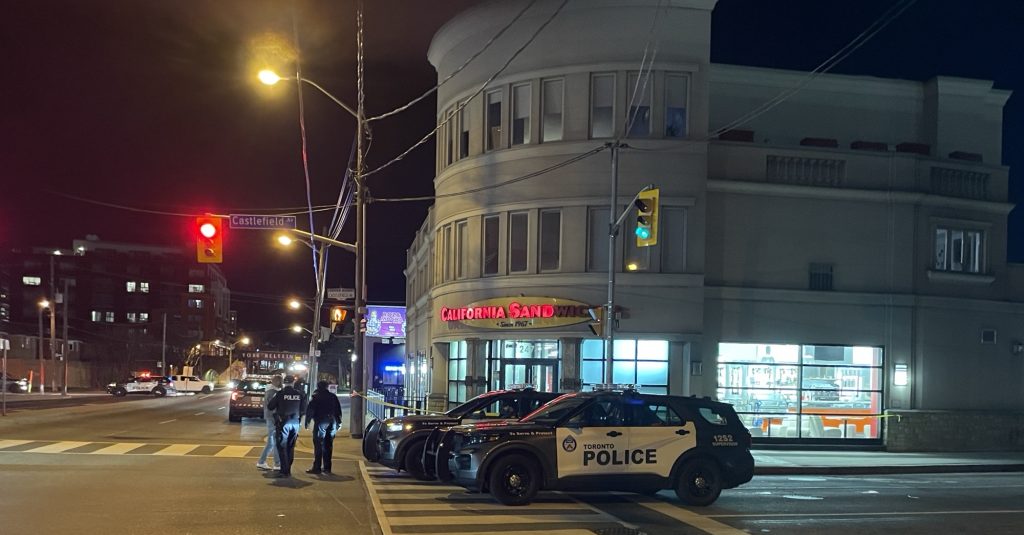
[
  {"x": 268, "y": 77},
  {"x": 297, "y": 329},
  {"x": 284, "y": 239}
]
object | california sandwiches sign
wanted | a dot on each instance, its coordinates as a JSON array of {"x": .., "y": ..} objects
[{"x": 519, "y": 313}]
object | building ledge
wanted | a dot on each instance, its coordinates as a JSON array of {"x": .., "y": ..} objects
[{"x": 959, "y": 278}]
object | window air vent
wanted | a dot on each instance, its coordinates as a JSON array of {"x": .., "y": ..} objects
[
  {"x": 820, "y": 277},
  {"x": 988, "y": 336}
]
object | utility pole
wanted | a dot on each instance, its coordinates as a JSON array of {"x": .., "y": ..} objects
[
  {"x": 613, "y": 232},
  {"x": 357, "y": 410},
  {"x": 318, "y": 301},
  {"x": 163, "y": 349},
  {"x": 42, "y": 355},
  {"x": 65, "y": 351}
]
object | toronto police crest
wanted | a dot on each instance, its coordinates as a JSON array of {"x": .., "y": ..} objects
[{"x": 569, "y": 444}]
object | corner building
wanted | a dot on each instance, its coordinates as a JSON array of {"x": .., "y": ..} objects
[{"x": 825, "y": 266}]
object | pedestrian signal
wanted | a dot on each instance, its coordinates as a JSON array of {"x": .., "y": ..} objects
[{"x": 597, "y": 326}]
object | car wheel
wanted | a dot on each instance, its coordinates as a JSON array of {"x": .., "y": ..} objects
[
  {"x": 370, "y": 449},
  {"x": 514, "y": 480},
  {"x": 699, "y": 482},
  {"x": 120, "y": 392},
  {"x": 414, "y": 461},
  {"x": 233, "y": 418},
  {"x": 206, "y": 389},
  {"x": 159, "y": 392},
  {"x": 13, "y": 388}
]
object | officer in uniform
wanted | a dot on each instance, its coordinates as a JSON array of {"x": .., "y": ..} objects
[
  {"x": 288, "y": 405},
  {"x": 325, "y": 411}
]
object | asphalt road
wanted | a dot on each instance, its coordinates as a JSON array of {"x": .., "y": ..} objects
[{"x": 175, "y": 465}]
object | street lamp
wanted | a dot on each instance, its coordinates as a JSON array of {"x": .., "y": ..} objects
[{"x": 269, "y": 77}]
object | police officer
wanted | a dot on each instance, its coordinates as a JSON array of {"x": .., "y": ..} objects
[
  {"x": 325, "y": 411},
  {"x": 288, "y": 405}
]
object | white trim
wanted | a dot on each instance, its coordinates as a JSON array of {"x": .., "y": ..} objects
[{"x": 958, "y": 277}]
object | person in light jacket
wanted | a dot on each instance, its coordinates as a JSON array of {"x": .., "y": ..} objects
[{"x": 268, "y": 417}]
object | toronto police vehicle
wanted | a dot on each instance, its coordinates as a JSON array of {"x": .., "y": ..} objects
[
  {"x": 158, "y": 386},
  {"x": 614, "y": 438},
  {"x": 398, "y": 442}
]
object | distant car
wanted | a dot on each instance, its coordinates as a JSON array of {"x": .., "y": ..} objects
[
  {"x": 158, "y": 386},
  {"x": 16, "y": 385},
  {"x": 191, "y": 383},
  {"x": 820, "y": 390},
  {"x": 247, "y": 399}
]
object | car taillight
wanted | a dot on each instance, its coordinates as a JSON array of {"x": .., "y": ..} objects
[{"x": 235, "y": 395}]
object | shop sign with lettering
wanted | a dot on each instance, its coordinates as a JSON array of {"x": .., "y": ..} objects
[{"x": 519, "y": 313}]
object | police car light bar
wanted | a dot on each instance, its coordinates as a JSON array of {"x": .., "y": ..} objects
[
  {"x": 519, "y": 386},
  {"x": 613, "y": 387}
]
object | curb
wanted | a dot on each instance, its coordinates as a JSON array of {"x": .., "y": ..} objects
[{"x": 882, "y": 470}]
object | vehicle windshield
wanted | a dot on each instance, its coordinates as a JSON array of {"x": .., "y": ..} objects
[
  {"x": 470, "y": 406},
  {"x": 556, "y": 409},
  {"x": 251, "y": 386}
]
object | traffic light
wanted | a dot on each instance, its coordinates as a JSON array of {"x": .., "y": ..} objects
[
  {"x": 209, "y": 240},
  {"x": 647, "y": 218},
  {"x": 338, "y": 315},
  {"x": 597, "y": 326}
]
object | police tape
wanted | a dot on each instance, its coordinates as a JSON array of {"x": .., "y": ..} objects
[{"x": 393, "y": 405}]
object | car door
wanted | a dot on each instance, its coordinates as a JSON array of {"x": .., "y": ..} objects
[
  {"x": 658, "y": 435},
  {"x": 594, "y": 441}
]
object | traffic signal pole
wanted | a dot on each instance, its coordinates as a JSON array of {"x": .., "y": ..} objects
[{"x": 358, "y": 408}]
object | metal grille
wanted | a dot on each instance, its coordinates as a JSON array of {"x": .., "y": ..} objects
[
  {"x": 820, "y": 277},
  {"x": 805, "y": 171},
  {"x": 959, "y": 183}
]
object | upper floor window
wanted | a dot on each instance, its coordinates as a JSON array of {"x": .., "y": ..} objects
[
  {"x": 520, "y": 114},
  {"x": 195, "y": 303},
  {"x": 108, "y": 317},
  {"x": 676, "y": 88},
  {"x": 447, "y": 252},
  {"x": 959, "y": 249},
  {"x": 518, "y": 237},
  {"x": 96, "y": 315},
  {"x": 464, "y": 130},
  {"x": 130, "y": 286},
  {"x": 31, "y": 281},
  {"x": 551, "y": 117},
  {"x": 144, "y": 287},
  {"x": 639, "y": 119},
  {"x": 196, "y": 288},
  {"x": 461, "y": 249},
  {"x": 493, "y": 115},
  {"x": 132, "y": 317},
  {"x": 550, "y": 239},
  {"x": 490, "y": 245},
  {"x": 602, "y": 105},
  {"x": 449, "y": 128}
]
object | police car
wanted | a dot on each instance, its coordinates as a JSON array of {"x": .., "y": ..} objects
[
  {"x": 398, "y": 442},
  {"x": 611, "y": 439},
  {"x": 144, "y": 384}
]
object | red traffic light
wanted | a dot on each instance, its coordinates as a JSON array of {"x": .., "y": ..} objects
[{"x": 208, "y": 230}]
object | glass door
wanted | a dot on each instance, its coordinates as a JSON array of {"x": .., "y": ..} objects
[{"x": 541, "y": 374}]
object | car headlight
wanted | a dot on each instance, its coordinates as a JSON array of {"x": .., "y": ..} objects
[
  {"x": 231, "y": 384},
  {"x": 473, "y": 440},
  {"x": 112, "y": 385},
  {"x": 393, "y": 427}
]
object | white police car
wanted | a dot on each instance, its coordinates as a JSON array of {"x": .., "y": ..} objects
[
  {"x": 610, "y": 439},
  {"x": 158, "y": 386}
]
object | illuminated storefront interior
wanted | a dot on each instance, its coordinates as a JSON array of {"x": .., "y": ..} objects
[{"x": 804, "y": 391}]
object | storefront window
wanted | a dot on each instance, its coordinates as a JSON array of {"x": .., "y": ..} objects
[
  {"x": 803, "y": 391},
  {"x": 457, "y": 358},
  {"x": 640, "y": 362}
]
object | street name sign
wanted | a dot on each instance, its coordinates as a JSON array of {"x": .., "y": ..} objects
[
  {"x": 258, "y": 221},
  {"x": 341, "y": 293}
]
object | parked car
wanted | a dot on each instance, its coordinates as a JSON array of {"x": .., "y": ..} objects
[
  {"x": 16, "y": 385},
  {"x": 191, "y": 383},
  {"x": 247, "y": 399}
]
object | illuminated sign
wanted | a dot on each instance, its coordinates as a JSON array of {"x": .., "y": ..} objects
[
  {"x": 385, "y": 322},
  {"x": 519, "y": 313}
]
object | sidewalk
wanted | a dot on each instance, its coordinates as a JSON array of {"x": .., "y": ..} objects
[
  {"x": 50, "y": 395},
  {"x": 802, "y": 462}
]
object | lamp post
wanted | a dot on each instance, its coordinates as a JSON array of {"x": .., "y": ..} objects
[
  {"x": 43, "y": 304},
  {"x": 269, "y": 77}
]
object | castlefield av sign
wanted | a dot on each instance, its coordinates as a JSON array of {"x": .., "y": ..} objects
[{"x": 519, "y": 313}]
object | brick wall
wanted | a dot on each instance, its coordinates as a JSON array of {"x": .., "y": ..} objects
[{"x": 921, "y": 430}]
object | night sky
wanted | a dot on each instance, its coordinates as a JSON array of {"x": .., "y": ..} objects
[{"x": 153, "y": 105}]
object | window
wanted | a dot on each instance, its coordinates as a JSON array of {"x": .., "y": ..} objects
[
  {"x": 639, "y": 119},
  {"x": 457, "y": 358},
  {"x": 144, "y": 287},
  {"x": 493, "y": 130},
  {"x": 132, "y": 317},
  {"x": 675, "y": 104},
  {"x": 464, "y": 130},
  {"x": 195, "y": 303},
  {"x": 652, "y": 415},
  {"x": 143, "y": 317},
  {"x": 447, "y": 252},
  {"x": 108, "y": 317},
  {"x": 490, "y": 259},
  {"x": 672, "y": 239},
  {"x": 520, "y": 114},
  {"x": 439, "y": 257},
  {"x": 640, "y": 362},
  {"x": 31, "y": 281},
  {"x": 449, "y": 129},
  {"x": 550, "y": 239},
  {"x": 96, "y": 316},
  {"x": 130, "y": 286},
  {"x": 461, "y": 249},
  {"x": 196, "y": 288},
  {"x": 518, "y": 235},
  {"x": 597, "y": 239},
  {"x": 607, "y": 412},
  {"x": 959, "y": 250},
  {"x": 551, "y": 116},
  {"x": 602, "y": 105}
]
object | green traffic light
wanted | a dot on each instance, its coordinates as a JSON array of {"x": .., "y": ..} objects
[{"x": 643, "y": 233}]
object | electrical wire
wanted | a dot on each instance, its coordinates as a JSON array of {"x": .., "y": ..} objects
[
  {"x": 305, "y": 151},
  {"x": 456, "y": 71},
  {"x": 628, "y": 126},
  {"x": 483, "y": 86}
]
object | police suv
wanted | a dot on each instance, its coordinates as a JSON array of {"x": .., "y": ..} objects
[
  {"x": 398, "y": 442},
  {"x": 611, "y": 439},
  {"x": 143, "y": 384}
]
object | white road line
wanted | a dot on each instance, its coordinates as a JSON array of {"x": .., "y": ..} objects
[
  {"x": 879, "y": 513},
  {"x": 685, "y": 516},
  {"x": 177, "y": 449},
  {"x": 220, "y": 408},
  {"x": 382, "y": 520},
  {"x": 234, "y": 451},
  {"x": 487, "y": 508},
  {"x": 169, "y": 421},
  {"x": 199, "y": 414},
  {"x": 120, "y": 447},
  {"x": 12, "y": 443},
  {"x": 58, "y": 447},
  {"x": 521, "y": 516}
]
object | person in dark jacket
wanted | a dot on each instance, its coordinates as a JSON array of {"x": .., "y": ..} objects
[
  {"x": 289, "y": 405},
  {"x": 325, "y": 411}
]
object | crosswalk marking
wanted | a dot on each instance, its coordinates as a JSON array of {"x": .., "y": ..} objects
[
  {"x": 120, "y": 447},
  {"x": 404, "y": 505},
  {"x": 234, "y": 451},
  {"x": 12, "y": 443},
  {"x": 177, "y": 449},
  {"x": 57, "y": 447}
]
